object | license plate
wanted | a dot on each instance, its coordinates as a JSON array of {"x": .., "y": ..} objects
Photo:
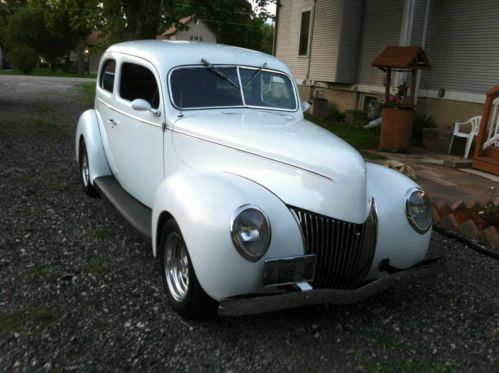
[{"x": 283, "y": 271}]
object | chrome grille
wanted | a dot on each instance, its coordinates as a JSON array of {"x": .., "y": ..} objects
[{"x": 344, "y": 250}]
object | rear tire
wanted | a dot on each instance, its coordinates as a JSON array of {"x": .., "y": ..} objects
[
  {"x": 185, "y": 294},
  {"x": 86, "y": 184}
]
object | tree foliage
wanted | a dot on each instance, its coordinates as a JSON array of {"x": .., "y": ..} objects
[
  {"x": 40, "y": 29},
  {"x": 23, "y": 58},
  {"x": 53, "y": 27}
]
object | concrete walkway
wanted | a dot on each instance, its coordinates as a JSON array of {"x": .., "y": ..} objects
[{"x": 443, "y": 182}]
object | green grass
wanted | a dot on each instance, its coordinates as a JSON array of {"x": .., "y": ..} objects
[
  {"x": 100, "y": 234},
  {"x": 43, "y": 123},
  {"x": 43, "y": 272},
  {"x": 14, "y": 321},
  {"x": 354, "y": 134},
  {"x": 89, "y": 91},
  {"x": 96, "y": 266},
  {"x": 47, "y": 72},
  {"x": 45, "y": 127},
  {"x": 407, "y": 365}
]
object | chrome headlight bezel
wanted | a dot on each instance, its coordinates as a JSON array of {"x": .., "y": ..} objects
[
  {"x": 422, "y": 229},
  {"x": 234, "y": 234}
]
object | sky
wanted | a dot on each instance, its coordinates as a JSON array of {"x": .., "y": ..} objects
[{"x": 270, "y": 7}]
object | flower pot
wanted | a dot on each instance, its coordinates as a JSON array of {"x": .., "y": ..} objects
[{"x": 396, "y": 128}]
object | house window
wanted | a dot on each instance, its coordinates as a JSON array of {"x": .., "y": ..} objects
[
  {"x": 304, "y": 33},
  {"x": 107, "y": 75},
  {"x": 196, "y": 38},
  {"x": 138, "y": 82}
]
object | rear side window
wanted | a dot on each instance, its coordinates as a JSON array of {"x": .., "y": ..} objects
[
  {"x": 138, "y": 82},
  {"x": 107, "y": 75}
]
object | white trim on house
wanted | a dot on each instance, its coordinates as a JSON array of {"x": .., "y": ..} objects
[
  {"x": 453, "y": 96},
  {"x": 427, "y": 93}
]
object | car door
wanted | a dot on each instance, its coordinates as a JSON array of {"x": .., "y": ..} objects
[
  {"x": 136, "y": 137},
  {"x": 104, "y": 102}
]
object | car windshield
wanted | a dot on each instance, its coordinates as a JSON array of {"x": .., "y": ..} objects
[{"x": 208, "y": 86}]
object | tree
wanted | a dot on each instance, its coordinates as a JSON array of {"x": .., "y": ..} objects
[
  {"x": 40, "y": 29},
  {"x": 234, "y": 21},
  {"x": 83, "y": 16},
  {"x": 134, "y": 19}
]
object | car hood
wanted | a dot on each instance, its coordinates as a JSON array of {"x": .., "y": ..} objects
[{"x": 303, "y": 164}]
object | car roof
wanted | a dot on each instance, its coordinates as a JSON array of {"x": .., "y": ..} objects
[{"x": 166, "y": 54}]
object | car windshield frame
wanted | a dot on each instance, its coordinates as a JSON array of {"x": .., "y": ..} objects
[{"x": 241, "y": 88}]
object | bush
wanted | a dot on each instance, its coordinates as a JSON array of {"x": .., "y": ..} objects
[
  {"x": 335, "y": 116},
  {"x": 421, "y": 120},
  {"x": 23, "y": 58}
]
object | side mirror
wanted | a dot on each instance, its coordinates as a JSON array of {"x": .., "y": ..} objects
[
  {"x": 140, "y": 104},
  {"x": 305, "y": 105}
]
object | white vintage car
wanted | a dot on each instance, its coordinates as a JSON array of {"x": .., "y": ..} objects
[{"x": 204, "y": 150}]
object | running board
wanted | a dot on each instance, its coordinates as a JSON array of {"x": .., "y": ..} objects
[{"x": 135, "y": 213}]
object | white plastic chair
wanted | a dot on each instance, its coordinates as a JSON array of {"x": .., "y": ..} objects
[{"x": 475, "y": 126}]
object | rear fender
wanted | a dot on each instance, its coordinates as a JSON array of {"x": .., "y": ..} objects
[{"x": 88, "y": 130}]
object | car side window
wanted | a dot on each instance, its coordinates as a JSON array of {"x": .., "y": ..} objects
[
  {"x": 107, "y": 75},
  {"x": 138, "y": 82}
]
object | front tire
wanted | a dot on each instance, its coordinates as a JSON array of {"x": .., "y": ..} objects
[
  {"x": 86, "y": 185},
  {"x": 185, "y": 294}
]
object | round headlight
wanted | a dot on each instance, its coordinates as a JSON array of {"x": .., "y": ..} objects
[
  {"x": 250, "y": 232},
  {"x": 418, "y": 210}
]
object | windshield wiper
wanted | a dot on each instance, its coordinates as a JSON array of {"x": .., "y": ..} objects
[
  {"x": 255, "y": 74},
  {"x": 218, "y": 72}
]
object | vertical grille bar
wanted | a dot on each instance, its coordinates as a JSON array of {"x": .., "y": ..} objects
[{"x": 344, "y": 251}]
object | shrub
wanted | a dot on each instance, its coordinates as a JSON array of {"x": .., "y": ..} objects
[
  {"x": 421, "y": 120},
  {"x": 23, "y": 58},
  {"x": 335, "y": 116}
]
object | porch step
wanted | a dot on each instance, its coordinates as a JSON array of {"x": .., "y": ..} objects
[{"x": 487, "y": 164}]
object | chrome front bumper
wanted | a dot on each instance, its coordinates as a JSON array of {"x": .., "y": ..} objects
[{"x": 268, "y": 303}]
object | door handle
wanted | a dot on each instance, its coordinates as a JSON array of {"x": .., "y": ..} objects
[{"x": 112, "y": 122}]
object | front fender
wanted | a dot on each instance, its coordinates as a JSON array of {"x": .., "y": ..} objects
[
  {"x": 397, "y": 240},
  {"x": 203, "y": 204},
  {"x": 88, "y": 129}
]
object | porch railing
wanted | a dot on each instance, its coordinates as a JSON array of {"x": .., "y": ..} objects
[{"x": 488, "y": 134}]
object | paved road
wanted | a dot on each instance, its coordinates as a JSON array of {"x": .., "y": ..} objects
[{"x": 80, "y": 292}]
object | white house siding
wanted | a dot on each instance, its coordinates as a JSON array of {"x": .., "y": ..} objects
[
  {"x": 288, "y": 35},
  {"x": 326, "y": 40},
  {"x": 347, "y": 68},
  {"x": 465, "y": 52},
  {"x": 199, "y": 29},
  {"x": 381, "y": 25}
]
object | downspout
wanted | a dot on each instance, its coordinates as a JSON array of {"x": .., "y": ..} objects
[
  {"x": 307, "y": 77},
  {"x": 276, "y": 25},
  {"x": 423, "y": 44},
  {"x": 405, "y": 33}
]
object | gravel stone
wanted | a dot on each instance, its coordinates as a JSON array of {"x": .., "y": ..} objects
[{"x": 79, "y": 291}]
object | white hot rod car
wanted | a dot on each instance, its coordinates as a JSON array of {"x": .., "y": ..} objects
[{"x": 249, "y": 208}]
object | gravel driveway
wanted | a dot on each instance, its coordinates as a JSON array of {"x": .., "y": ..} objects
[{"x": 79, "y": 291}]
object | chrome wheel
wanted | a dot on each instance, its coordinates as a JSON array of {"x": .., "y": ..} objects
[
  {"x": 176, "y": 266},
  {"x": 85, "y": 171}
]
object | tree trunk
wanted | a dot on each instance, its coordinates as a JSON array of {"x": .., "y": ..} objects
[
  {"x": 80, "y": 56},
  {"x": 53, "y": 64}
]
